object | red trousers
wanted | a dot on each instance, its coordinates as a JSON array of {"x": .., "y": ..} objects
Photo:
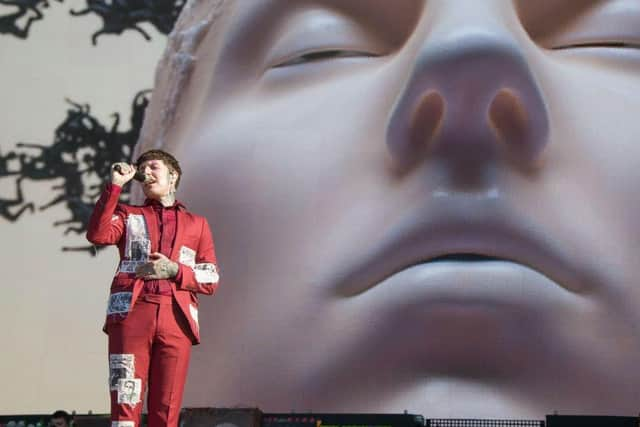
[{"x": 149, "y": 349}]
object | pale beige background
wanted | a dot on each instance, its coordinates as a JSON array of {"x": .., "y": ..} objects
[{"x": 52, "y": 305}]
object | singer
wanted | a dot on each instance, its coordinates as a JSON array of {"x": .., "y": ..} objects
[{"x": 167, "y": 257}]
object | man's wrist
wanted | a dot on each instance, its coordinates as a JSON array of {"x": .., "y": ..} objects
[
  {"x": 167, "y": 269},
  {"x": 174, "y": 268},
  {"x": 113, "y": 186}
]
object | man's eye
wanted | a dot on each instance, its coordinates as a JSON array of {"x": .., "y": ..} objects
[{"x": 324, "y": 55}]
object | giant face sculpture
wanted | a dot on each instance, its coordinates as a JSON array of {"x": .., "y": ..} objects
[{"x": 417, "y": 205}]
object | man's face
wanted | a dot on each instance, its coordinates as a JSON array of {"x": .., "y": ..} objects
[
  {"x": 58, "y": 422},
  {"x": 429, "y": 206},
  {"x": 159, "y": 181},
  {"x": 129, "y": 387}
]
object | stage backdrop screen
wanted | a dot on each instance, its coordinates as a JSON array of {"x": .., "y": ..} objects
[{"x": 428, "y": 206}]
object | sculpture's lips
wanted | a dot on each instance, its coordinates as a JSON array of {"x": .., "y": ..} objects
[
  {"x": 476, "y": 293},
  {"x": 464, "y": 257},
  {"x": 466, "y": 233},
  {"x": 464, "y": 319}
]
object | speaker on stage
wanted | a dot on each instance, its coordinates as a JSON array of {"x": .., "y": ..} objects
[
  {"x": 481, "y": 422},
  {"x": 92, "y": 420},
  {"x": 220, "y": 417},
  {"x": 591, "y": 421}
]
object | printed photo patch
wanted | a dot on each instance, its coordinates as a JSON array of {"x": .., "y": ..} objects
[
  {"x": 121, "y": 366},
  {"x": 119, "y": 302},
  {"x": 123, "y": 424},
  {"x": 187, "y": 256},
  {"x": 129, "y": 390},
  {"x": 140, "y": 250},
  {"x": 138, "y": 245},
  {"x": 129, "y": 266},
  {"x": 206, "y": 273}
]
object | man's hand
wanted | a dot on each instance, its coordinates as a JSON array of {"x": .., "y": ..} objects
[
  {"x": 121, "y": 173},
  {"x": 159, "y": 267}
]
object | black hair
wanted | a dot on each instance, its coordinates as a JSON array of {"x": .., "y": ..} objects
[{"x": 62, "y": 414}]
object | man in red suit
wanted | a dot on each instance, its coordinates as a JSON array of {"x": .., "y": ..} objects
[{"x": 167, "y": 257}]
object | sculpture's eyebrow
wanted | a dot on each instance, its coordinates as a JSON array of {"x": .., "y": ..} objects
[
  {"x": 544, "y": 16},
  {"x": 257, "y": 25}
]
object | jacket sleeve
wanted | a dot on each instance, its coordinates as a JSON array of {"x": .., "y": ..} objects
[
  {"x": 203, "y": 277},
  {"x": 107, "y": 221}
]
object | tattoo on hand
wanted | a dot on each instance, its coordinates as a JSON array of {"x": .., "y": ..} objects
[{"x": 166, "y": 269}]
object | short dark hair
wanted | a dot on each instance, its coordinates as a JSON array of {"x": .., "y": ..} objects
[
  {"x": 167, "y": 158},
  {"x": 62, "y": 414}
]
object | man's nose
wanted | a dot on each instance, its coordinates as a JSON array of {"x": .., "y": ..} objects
[{"x": 470, "y": 100}]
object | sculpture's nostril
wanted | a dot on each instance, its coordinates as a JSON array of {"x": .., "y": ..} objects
[
  {"x": 508, "y": 118},
  {"x": 427, "y": 118}
]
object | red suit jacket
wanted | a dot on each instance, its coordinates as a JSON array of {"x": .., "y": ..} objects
[{"x": 135, "y": 230}]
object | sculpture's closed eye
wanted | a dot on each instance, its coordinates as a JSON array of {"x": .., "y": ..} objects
[
  {"x": 609, "y": 25},
  {"x": 324, "y": 55}
]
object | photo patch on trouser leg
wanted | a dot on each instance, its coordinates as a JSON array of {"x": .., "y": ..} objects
[
  {"x": 121, "y": 367},
  {"x": 129, "y": 391}
]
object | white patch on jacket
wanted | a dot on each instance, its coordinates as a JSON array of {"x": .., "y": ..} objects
[
  {"x": 138, "y": 245},
  {"x": 206, "y": 273},
  {"x": 187, "y": 256},
  {"x": 193, "y": 310}
]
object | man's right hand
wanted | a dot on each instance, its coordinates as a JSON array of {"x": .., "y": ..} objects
[{"x": 121, "y": 173}]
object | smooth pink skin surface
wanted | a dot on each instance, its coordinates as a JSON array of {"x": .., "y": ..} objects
[{"x": 336, "y": 146}]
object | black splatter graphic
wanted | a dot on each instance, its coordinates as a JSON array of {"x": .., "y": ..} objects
[
  {"x": 29, "y": 11},
  {"x": 81, "y": 155},
  {"x": 120, "y": 15}
]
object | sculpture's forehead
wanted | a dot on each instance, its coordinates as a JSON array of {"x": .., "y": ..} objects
[
  {"x": 253, "y": 14},
  {"x": 243, "y": 18}
]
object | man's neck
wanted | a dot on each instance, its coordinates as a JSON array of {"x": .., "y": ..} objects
[{"x": 168, "y": 200}]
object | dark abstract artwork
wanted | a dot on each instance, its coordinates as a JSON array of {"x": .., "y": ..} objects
[
  {"x": 22, "y": 14},
  {"x": 80, "y": 156},
  {"x": 117, "y": 15},
  {"x": 120, "y": 15},
  {"x": 76, "y": 164}
]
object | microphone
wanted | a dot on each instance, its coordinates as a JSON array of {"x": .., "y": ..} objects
[{"x": 139, "y": 176}]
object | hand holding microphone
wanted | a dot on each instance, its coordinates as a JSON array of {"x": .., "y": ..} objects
[{"x": 121, "y": 173}]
